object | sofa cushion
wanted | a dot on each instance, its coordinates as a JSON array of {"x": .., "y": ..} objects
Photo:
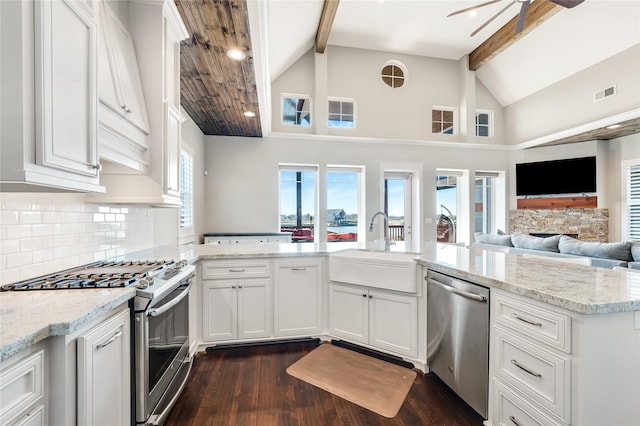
[
  {"x": 618, "y": 251},
  {"x": 635, "y": 250},
  {"x": 498, "y": 240},
  {"x": 536, "y": 243}
]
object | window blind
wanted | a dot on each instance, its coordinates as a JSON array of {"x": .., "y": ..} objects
[
  {"x": 633, "y": 202},
  {"x": 186, "y": 190}
]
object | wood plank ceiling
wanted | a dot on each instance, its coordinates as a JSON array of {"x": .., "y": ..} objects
[{"x": 216, "y": 90}]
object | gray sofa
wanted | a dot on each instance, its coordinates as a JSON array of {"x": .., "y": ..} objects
[{"x": 603, "y": 255}]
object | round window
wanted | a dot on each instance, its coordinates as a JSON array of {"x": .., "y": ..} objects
[{"x": 394, "y": 74}]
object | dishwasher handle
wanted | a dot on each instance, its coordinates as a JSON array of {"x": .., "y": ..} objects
[{"x": 466, "y": 294}]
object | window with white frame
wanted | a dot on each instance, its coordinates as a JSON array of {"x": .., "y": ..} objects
[
  {"x": 484, "y": 123},
  {"x": 296, "y": 110},
  {"x": 344, "y": 203},
  {"x": 484, "y": 209},
  {"x": 298, "y": 210},
  {"x": 443, "y": 120},
  {"x": 394, "y": 74},
  {"x": 342, "y": 113},
  {"x": 186, "y": 190},
  {"x": 631, "y": 170}
]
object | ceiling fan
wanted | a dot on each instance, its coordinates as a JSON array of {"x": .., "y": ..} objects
[{"x": 521, "y": 16}]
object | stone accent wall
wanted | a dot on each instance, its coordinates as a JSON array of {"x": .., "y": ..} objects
[{"x": 589, "y": 224}]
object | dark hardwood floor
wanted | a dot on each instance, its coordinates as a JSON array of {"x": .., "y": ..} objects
[{"x": 249, "y": 386}]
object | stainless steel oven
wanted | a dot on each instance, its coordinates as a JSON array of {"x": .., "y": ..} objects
[
  {"x": 162, "y": 360},
  {"x": 161, "y": 333}
]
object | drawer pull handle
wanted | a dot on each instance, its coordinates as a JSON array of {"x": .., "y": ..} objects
[
  {"x": 237, "y": 270},
  {"x": 110, "y": 341},
  {"x": 298, "y": 269},
  {"x": 528, "y": 321},
  {"x": 525, "y": 369},
  {"x": 514, "y": 421}
]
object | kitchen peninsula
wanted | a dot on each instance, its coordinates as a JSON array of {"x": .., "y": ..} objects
[{"x": 593, "y": 319}]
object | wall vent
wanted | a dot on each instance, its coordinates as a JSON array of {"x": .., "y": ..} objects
[{"x": 604, "y": 93}]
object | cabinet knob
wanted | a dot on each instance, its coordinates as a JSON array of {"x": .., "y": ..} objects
[
  {"x": 239, "y": 285},
  {"x": 370, "y": 297},
  {"x": 97, "y": 167},
  {"x": 233, "y": 286},
  {"x": 364, "y": 294}
]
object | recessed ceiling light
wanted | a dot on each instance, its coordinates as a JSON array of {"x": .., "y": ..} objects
[
  {"x": 614, "y": 126},
  {"x": 236, "y": 54},
  {"x": 473, "y": 13},
  {"x": 249, "y": 114}
]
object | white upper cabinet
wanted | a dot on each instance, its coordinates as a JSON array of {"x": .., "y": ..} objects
[
  {"x": 156, "y": 29},
  {"x": 49, "y": 96},
  {"x": 123, "y": 121}
]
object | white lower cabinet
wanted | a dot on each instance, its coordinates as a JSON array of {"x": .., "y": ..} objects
[
  {"x": 236, "y": 309},
  {"x": 22, "y": 389},
  {"x": 381, "y": 319},
  {"x": 104, "y": 373},
  {"x": 298, "y": 297}
]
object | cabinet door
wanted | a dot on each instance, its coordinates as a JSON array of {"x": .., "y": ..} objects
[
  {"x": 172, "y": 150},
  {"x": 254, "y": 314},
  {"x": 349, "y": 313},
  {"x": 128, "y": 89},
  {"x": 35, "y": 417},
  {"x": 104, "y": 373},
  {"x": 66, "y": 86},
  {"x": 298, "y": 300},
  {"x": 219, "y": 320},
  {"x": 393, "y": 322}
]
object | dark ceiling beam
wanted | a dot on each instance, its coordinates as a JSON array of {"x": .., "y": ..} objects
[
  {"x": 539, "y": 12},
  {"x": 329, "y": 10}
]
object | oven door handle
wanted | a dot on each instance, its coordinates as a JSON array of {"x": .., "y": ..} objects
[{"x": 153, "y": 312}]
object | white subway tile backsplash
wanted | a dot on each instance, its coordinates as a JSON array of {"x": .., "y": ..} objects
[
  {"x": 45, "y": 233},
  {"x": 30, "y": 217}
]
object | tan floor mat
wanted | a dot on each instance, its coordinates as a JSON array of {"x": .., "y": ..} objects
[{"x": 376, "y": 385}]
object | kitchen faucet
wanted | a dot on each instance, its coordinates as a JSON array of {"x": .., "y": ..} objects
[{"x": 386, "y": 227}]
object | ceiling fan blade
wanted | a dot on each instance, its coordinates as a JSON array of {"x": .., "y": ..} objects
[
  {"x": 468, "y": 9},
  {"x": 492, "y": 18},
  {"x": 522, "y": 16},
  {"x": 567, "y": 3}
]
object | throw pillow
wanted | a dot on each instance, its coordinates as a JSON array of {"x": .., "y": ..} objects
[
  {"x": 635, "y": 250},
  {"x": 616, "y": 251},
  {"x": 530, "y": 242},
  {"x": 498, "y": 240}
]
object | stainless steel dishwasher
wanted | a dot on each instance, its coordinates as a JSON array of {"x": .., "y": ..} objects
[{"x": 458, "y": 337}]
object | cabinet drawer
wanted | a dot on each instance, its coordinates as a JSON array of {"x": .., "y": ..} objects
[
  {"x": 226, "y": 270},
  {"x": 539, "y": 374},
  {"x": 511, "y": 410},
  {"x": 21, "y": 385},
  {"x": 535, "y": 322}
]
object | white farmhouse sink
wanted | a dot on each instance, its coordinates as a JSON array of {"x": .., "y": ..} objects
[{"x": 380, "y": 269}]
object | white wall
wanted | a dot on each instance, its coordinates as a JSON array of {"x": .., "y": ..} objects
[
  {"x": 242, "y": 182},
  {"x": 569, "y": 103},
  {"x": 381, "y": 112}
]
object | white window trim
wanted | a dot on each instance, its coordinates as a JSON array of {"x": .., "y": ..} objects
[
  {"x": 626, "y": 165},
  {"x": 344, "y": 100},
  {"x": 292, "y": 167},
  {"x": 490, "y": 124},
  {"x": 299, "y": 96},
  {"x": 455, "y": 119},
  {"x": 400, "y": 65},
  {"x": 360, "y": 170},
  {"x": 187, "y": 235}
]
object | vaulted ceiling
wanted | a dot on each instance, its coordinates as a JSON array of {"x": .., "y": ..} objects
[{"x": 274, "y": 34}]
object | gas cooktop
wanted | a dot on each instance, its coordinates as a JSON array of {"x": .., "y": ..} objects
[{"x": 105, "y": 274}]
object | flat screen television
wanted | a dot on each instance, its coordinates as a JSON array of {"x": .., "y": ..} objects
[{"x": 568, "y": 176}]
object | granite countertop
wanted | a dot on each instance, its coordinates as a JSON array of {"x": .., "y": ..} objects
[
  {"x": 31, "y": 316},
  {"x": 578, "y": 288},
  {"x": 28, "y": 317}
]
